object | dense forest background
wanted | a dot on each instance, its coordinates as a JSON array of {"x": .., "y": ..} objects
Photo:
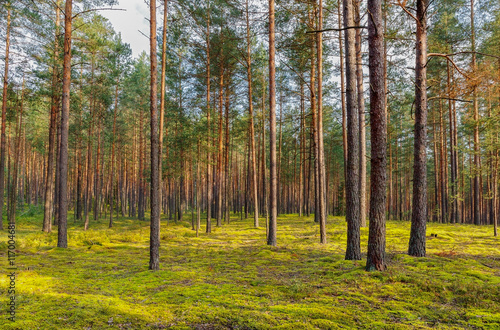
[{"x": 213, "y": 107}]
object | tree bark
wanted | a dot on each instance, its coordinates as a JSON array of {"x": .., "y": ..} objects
[
  {"x": 113, "y": 156},
  {"x": 154, "y": 243},
  {"x": 198, "y": 192},
  {"x": 435, "y": 217},
  {"x": 4, "y": 115},
  {"x": 17, "y": 147},
  {"x": 88, "y": 197},
  {"x": 54, "y": 107},
  {"x": 453, "y": 152},
  {"x": 209, "y": 165},
  {"x": 495, "y": 190},
  {"x": 97, "y": 171},
  {"x": 220, "y": 150},
  {"x": 361, "y": 109},
  {"x": 162, "y": 96},
  {"x": 302, "y": 151},
  {"x": 62, "y": 235},
  {"x": 477, "y": 159},
  {"x": 279, "y": 183},
  {"x": 226, "y": 153},
  {"x": 443, "y": 166},
  {"x": 79, "y": 174},
  {"x": 419, "y": 208},
  {"x": 353, "y": 251},
  {"x": 314, "y": 120},
  {"x": 342, "y": 96},
  {"x": 271, "y": 239},
  {"x": 252, "y": 127},
  {"x": 321, "y": 153},
  {"x": 265, "y": 204},
  {"x": 378, "y": 122}
]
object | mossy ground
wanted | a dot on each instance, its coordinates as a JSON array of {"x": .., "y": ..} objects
[{"x": 230, "y": 279}]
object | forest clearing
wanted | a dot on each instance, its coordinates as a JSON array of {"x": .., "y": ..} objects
[
  {"x": 249, "y": 164},
  {"x": 232, "y": 280}
]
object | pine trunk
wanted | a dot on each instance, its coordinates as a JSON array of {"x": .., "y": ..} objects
[
  {"x": 49, "y": 179},
  {"x": 419, "y": 208},
  {"x": 353, "y": 251},
  {"x": 378, "y": 122},
  {"x": 273, "y": 191},
  {"x": 4, "y": 116},
  {"x": 154, "y": 243},
  {"x": 361, "y": 109},
  {"x": 62, "y": 240},
  {"x": 321, "y": 154}
]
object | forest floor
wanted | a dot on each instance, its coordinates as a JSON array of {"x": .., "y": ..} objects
[{"x": 230, "y": 279}]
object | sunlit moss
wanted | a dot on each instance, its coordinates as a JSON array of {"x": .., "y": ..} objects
[{"x": 230, "y": 279}]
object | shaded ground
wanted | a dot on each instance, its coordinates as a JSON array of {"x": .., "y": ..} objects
[{"x": 232, "y": 280}]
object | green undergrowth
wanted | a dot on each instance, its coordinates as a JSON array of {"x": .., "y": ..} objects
[{"x": 230, "y": 279}]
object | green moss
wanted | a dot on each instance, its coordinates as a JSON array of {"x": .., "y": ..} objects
[{"x": 231, "y": 280}]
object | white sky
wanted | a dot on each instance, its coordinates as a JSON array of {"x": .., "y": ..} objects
[{"x": 129, "y": 23}]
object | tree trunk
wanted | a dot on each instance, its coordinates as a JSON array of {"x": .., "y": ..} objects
[
  {"x": 111, "y": 203},
  {"x": 154, "y": 243},
  {"x": 62, "y": 236},
  {"x": 49, "y": 180},
  {"x": 495, "y": 180},
  {"x": 79, "y": 175},
  {"x": 442, "y": 163},
  {"x": 265, "y": 204},
  {"x": 321, "y": 154},
  {"x": 361, "y": 109},
  {"x": 162, "y": 97},
  {"x": 97, "y": 172},
  {"x": 453, "y": 151},
  {"x": 419, "y": 208},
  {"x": 4, "y": 116},
  {"x": 495, "y": 190},
  {"x": 252, "y": 127},
  {"x": 279, "y": 183},
  {"x": 226, "y": 160},
  {"x": 378, "y": 122},
  {"x": 313, "y": 123},
  {"x": 198, "y": 192},
  {"x": 353, "y": 251},
  {"x": 475, "y": 170},
  {"x": 220, "y": 150},
  {"x": 302, "y": 151},
  {"x": 140, "y": 175},
  {"x": 342, "y": 96},
  {"x": 271, "y": 239},
  {"x": 436, "y": 216},
  {"x": 15, "y": 170},
  {"x": 209, "y": 165}
]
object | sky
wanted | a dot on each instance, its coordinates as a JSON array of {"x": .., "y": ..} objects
[{"x": 129, "y": 23}]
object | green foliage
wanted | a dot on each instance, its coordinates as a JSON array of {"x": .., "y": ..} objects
[{"x": 232, "y": 280}]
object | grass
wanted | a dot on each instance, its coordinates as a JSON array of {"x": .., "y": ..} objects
[{"x": 232, "y": 280}]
